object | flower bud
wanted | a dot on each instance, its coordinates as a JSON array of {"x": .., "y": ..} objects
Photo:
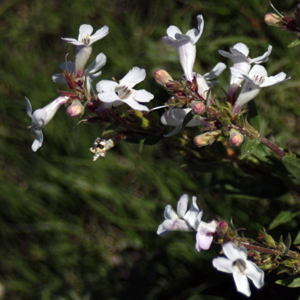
[
  {"x": 198, "y": 108},
  {"x": 222, "y": 228},
  {"x": 162, "y": 77},
  {"x": 206, "y": 138},
  {"x": 75, "y": 109},
  {"x": 236, "y": 139},
  {"x": 273, "y": 20}
]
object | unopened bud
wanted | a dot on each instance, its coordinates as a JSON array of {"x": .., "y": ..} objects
[
  {"x": 236, "y": 139},
  {"x": 198, "y": 108},
  {"x": 273, "y": 20},
  {"x": 206, "y": 138},
  {"x": 222, "y": 228},
  {"x": 162, "y": 77},
  {"x": 75, "y": 109}
]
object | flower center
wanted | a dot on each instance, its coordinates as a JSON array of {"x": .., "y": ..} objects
[
  {"x": 86, "y": 40},
  {"x": 258, "y": 79},
  {"x": 239, "y": 266},
  {"x": 123, "y": 92}
]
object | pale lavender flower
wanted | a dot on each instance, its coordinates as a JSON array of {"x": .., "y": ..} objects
[
  {"x": 204, "y": 236},
  {"x": 239, "y": 55},
  {"x": 255, "y": 80},
  {"x": 84, "y": 43},
  {"x": 185, "y": 45},
  {"x": 41, "y": 117},
  {"x": 242, "y": 269},
  {"x": 112, "y": 93},
  {"x": 184, "y": 220}
]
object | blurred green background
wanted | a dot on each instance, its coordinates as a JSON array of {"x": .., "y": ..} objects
[{"x": 76, "y": 229}]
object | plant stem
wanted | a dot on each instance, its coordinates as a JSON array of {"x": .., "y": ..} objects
[{"x": 272, "y": 146}]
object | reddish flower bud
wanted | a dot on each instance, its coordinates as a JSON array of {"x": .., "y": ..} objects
[
  {"x": 273, "y": 20},
  {"x": 206, "y": 138},
  {"x": 198, "y": 108},
  {"x": 162, "y": 77},
  {"x": 236, "y": 139},
  {"x": 75, "y": 109}
]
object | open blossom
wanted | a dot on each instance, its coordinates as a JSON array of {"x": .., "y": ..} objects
[
  {"x": 184, "y": 220},
  {"x": 185, "y": 45},
  {"x": 84, "y": 43},
  {"x": 90, "y": 74},
  {"x": 112, "y": 93},
  {"x": 239, "y": 55},
  {"x": 204, "y": 236},
  {"x": 242, "y": 269},
  {"x": 255, "y": 80},
  {"x": 41, "y": 117}
]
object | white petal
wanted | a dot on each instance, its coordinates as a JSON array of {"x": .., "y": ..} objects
[
  {"x": 135, "y": 105},
  {"x": 175, "y": 116},
  {"x": 223, "y": 264},
  {"x": 39, "y": 117},
  {"x": 177, "y": 42},
  {"x": 172, "y": 31},
  {"x": 85, "y": 30},
  {"x": 241, "y": 283},
  {"x": 106, "y": 86},
  {"x": 187, "y": 55},
  {"x": 272, "y": 80},
  {"x": 202, "y": 86},
  {"x": 99, "y": 34},
  {"x": 170, "y": 213},
  {"x": 133, "y": 77},
  {"x": 194, "y": 33},
  {"x": 215, "y": 72},
  {"x": 254, "y": 273},
  {"x": 182, "y": 205},
  {"x": 203, "y": 241},
  {"x": 143, "y": 96},
  {"x": 263, "y": 58},
  {"x": 37, "y": 143},
  {"x": 28, "y": 107},
  {"x": 193, "y": 214},
  {"x": 242, "y": 48},
  {"x": 108, "y": 97},
  {"x": 172, "y": 225},
  {"x": 72, "y": 41},
  {"x": 97, "y": 64},
  {"x": 233, "y": 252}
]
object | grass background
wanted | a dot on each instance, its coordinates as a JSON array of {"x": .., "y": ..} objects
[{"x": 76, "y": 229}]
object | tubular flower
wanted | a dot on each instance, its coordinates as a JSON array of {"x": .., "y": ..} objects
[
  {"x": 255, "y": 80},
  {"x": 185, "y": 45},
  {"x": 112, "y": 93},
  {"x": 42, "y": 117},
  {"x": 242, "y": 269},
  {"x": 239, "y": 55},
  {"x": 184, "y": 219},
  {"x": 84, "y": 43}
]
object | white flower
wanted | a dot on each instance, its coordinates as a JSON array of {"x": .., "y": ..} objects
[
  {"x": 239, "y": 56},
  {"x": 184, "y": 219},
  {"x": 84, "y": 43},
  {"x": 255, "y": 80},
  {"x": 90, "y": 74},
  {"x": 185, "y": 45},
  {"x": 85, "y": 38},
  {"x": 42, "y": 117},
  {"x": 114, "y": 94},
  {"x": 175, "y": 117},
  {"x": 204, "y": 235},
  {"x": 242, "y": 269}
]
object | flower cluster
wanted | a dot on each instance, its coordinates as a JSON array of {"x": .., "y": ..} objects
[
  {"x": 108, "y": 93},
  {"x": 236, "y": 262}
]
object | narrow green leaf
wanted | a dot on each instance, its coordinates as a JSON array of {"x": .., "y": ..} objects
[
  {"x": 292, "y": 164},
  {"x": 297, "y": 239},
  {"x": 288, "y": 242},
  {"x": 294, "y": 43},
  {"x": 291, "y": 282},
  {"x": 253, "y": 116},
  {"x": 248, "y": 147},
  {"x": 283, "y": 217}
]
